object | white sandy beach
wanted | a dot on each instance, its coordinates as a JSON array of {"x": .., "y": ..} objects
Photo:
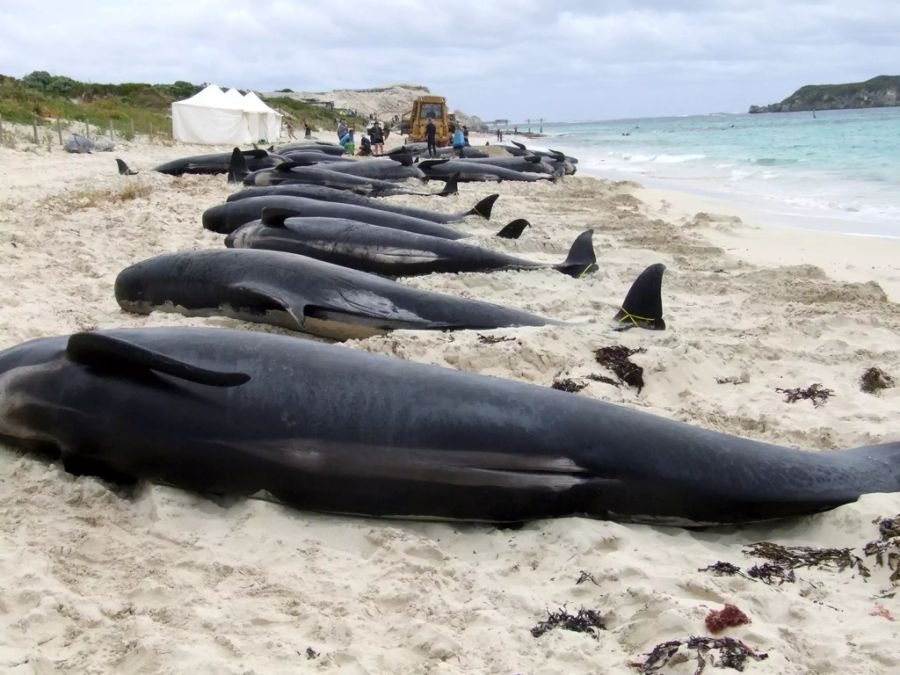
[{"x": 94, "y": 580}]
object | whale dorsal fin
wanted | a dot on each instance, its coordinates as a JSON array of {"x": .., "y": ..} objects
[
  {"x": 99, "y": 350},
  {"x": 581, "y": 259},
  {"x": 513, "y": 229},
  {"x": 643, "y": 304},
  {"x": 484, "y": 207}
]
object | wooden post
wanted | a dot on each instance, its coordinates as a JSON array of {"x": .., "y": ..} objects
[
  {"x": 87, "y": 130},
  {"x": 110, "y": 129},
  {"x": 132, "y": 128},
  {"x": 59, "y": 129},
  {"x": 34, "y": 126},
  {"x": 151, "y": 132}
]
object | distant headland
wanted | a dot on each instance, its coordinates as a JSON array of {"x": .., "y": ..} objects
[{"x": 879, "y": 92}]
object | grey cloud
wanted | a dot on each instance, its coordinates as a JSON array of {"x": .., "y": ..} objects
[{"x": 507, "y": 58}]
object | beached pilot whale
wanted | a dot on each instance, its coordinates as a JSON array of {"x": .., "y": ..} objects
[
  {"x": 315, "y": 297},
  {"x": 482, "y": 208},
  {"x": 393, "y": 253},
  {"x": 220, "y": 162},
  {"x": 330, "y": 429},
  {"x": 227, "y": 217}
]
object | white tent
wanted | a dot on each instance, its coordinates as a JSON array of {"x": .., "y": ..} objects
[
  {"x": 210, "y": 117},
  {"x": 263, "y": 122}
]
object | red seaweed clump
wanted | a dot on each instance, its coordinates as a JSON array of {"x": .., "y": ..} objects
[{"x": 720, "y": 619}]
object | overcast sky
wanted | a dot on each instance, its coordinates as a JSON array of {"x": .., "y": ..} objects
[{"x": 563, "y": 60}]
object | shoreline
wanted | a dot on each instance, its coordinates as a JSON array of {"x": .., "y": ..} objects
[{"x": 154, "y": 579}]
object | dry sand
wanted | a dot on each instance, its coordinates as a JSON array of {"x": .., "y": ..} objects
[{"x": 94, "y": 580}]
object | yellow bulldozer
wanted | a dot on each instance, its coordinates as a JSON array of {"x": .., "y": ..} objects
[{"x": 414, "y": 122}]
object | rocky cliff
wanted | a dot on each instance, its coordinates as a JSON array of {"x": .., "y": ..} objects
[{"x": 879, "y": 92}]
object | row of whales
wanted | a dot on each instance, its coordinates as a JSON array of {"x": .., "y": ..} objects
[{"x": 331, "y": 429}]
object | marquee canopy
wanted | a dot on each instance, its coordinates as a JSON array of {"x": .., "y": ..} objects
[{"x": 214, "y": 117}]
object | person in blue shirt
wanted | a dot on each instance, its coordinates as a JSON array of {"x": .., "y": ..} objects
[
  {"x": 341, "y": 130},
  {"x": 348, "y": 141},
  {"x": 459, "y": 141}
]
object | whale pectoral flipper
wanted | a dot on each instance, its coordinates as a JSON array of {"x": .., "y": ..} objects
[
  {"x": 273, "y": 216},
  {"x": 95, "y": 349},
  {"x": 261, "y": 298}
]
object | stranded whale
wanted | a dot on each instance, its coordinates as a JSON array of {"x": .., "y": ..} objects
[
  {"x": 326, "y": 428},
  {"x": 327, "y": 300}
]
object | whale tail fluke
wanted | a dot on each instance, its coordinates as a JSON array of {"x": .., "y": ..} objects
[
  {"x": 451, "y": 187},
  {"x": 124, "y": 169},
  {"x": 237, "y": 168},
  {"x": 581, "y": 259},
  {"x": 484, "y": 207},
  {"x": 514, "y": 229},
  {"x": 643, "y": 304}
]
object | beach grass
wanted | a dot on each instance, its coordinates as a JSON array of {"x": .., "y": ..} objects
[{"x": 77, "y": 200}]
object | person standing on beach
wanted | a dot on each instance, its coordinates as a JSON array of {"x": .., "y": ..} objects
[
  {"x": 348, "y": 141},
  {"x": 377, "y": 138},
  {"x": 290, "y": 128},
  {"x": 307, "y": 131},
  {"x": 459, "y": 141},
  {"x": 430, "y": 133},
  {"x": 341, "y": 130}
]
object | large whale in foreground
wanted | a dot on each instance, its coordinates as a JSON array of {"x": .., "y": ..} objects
[
  {"x": 319, "y": 298},
  {"x": 326, "y": 428}
]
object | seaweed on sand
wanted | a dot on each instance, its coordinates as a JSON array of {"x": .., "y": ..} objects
[
  {"x": 721, "y": 569},
  {"x": 769, "y": 573},
  {"x": 887, "y": 546},
  {"x": 568, "y": 384},
  {"x": 732, "y": 654},
  {"x": 814, "y": 392},
  {"x": 494, "y": 339},
  {"x": 616, "y": 358},
  {"x": 586, "y": 621},
  {"x": 875, "y": 379},
  {"x": 729, "y": 616},
  {"x": 794, "y": 557}
]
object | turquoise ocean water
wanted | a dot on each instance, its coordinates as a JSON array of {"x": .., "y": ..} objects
[{"x": 838, "y": 170}]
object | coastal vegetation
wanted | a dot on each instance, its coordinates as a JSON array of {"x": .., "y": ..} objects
[
  {"x": 879, "y": 92},
  {"x": 132, "y": 107}
]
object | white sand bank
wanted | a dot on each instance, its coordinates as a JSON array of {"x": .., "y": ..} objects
[{"x": 93, "y": 580}]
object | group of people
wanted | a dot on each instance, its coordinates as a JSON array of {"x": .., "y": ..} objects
[
  {"x": 459, "y": 138},
  {"x": 289, "y": 125},
  {"x": 370, "y": 144}
]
